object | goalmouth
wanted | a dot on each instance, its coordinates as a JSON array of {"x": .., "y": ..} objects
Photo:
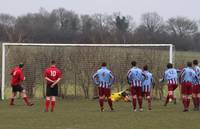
[{"x": 5, "y": 52}]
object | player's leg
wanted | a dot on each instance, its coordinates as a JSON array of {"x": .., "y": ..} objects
[
  {"x": 139, "y": 97},
  {"x": 169, "y": 97},
  {"x": 189, "y": 93},
  {"x": 101, "y": 98},
  {"x": 108, "y": 95},
  {"x": 148, "y": 94},
  {"x": 194, "y": 97},
  {"x": 24, "y": 96},
  {"x": 134, "y": 97},
  {"x": 54, "y": 93},
  {"x": 47, "y": 103},
  {"x": 13, "y": 97},
  {"x": 174, "y": 96},
  {"x": 48, "y": 98},
  {"x": 184, "y": 101},
  {"x": 184, "y": 96},
  {"x": 194, "y": 100},
  {"x": 53, "y": 103},
  {"x": 186, "y": 91},
  {"x": 198, "y": 96}
]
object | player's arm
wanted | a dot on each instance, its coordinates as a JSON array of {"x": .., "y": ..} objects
[
  {"x": 56, "y": 82},
  {"x": 182, "y": 74},
  {"x": 95, "y": 79},
  {"x": 178, "y": 70},
  {"x": 152, "y": 82},
  {"x": 112, "y": 78},
  {"x": 48, "y": 79},
  {"x": 12, "y": 72},
  {"x": 195, "y": 77},
  {"x": 161, "y": 80},
  {"x": 128, "y": 77},
  {"x": 144, "y": 77},
  {"x": 21, "y": 76}
]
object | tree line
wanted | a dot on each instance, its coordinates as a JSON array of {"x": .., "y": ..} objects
[{"x": 64, "y": 26}]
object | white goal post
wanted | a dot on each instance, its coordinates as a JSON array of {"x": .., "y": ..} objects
[{"x": 4, "y": 52}]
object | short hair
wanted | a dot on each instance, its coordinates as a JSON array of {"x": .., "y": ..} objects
[
  {"x": 195, "y": 62},
  {"x": 189, "y": 64},
  {"x": 103, "y": 64},
  {"x": 133, "y": 63},
  {"x": 169, "y": 65},
  {"x": 53, "y": 62},
  {"x": 21, "y": 65},
  {"x": 145, "y": 67}
]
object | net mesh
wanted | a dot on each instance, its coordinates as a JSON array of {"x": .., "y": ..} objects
[{"x": 78, "y": 64}]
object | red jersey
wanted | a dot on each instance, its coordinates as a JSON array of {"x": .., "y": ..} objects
[
  {"x": 17, "y": 76},
  {"x": 52, "y": 73}
]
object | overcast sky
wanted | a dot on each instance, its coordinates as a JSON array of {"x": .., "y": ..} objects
[{"x": 165, "y": 8}]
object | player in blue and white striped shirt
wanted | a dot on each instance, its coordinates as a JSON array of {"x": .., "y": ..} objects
[
  {"x": 104, "y": 79},
  {"x": 147, "y": 85},
  {"x": 171, "y": 76},
  {"x": 196, "y": 86},
  {"x": 187, "y": 79},
  {"x": 135, "y": 78}
]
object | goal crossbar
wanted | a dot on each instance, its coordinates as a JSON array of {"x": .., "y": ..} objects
[{"x": 171, "y": 53}]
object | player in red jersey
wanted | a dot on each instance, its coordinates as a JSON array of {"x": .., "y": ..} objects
[
  {"x": 52, "y": 77},
  {"x": 16, "y": 83}
]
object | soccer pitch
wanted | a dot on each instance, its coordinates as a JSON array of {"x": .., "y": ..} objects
[{"x": 84, "y": 114}]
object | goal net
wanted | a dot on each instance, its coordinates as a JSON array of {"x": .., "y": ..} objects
[{"x": 78, "y": 62}]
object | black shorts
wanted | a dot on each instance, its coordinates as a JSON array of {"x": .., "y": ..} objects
[
  {"x": 52, "y": 91},
  {"x": 17, "y": 88}
]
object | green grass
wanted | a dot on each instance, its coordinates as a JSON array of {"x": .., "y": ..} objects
[{"x": 84, "y": 114}]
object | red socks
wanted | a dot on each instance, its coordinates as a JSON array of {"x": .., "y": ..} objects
[
  {"x": 110, "y": 103},
  {"x": 167, "y": 100},
  {"x": 101, "y": 101},
  {"x": 195, "y": 102},
  {"x": 12, "y": 101},
  {"x": 47, "y": 102},
  {"x": 171, "y": 96},
  {"x": 134, "y": 103},
  {"x": 53, "y": 103},
  {"x": 186, "y": 103},
  {"x": 140, "y": 102},
  {"x": 101, "y": 104},
  {"x": 149, "y": 102},
  {"x": 26, "y": 100}
]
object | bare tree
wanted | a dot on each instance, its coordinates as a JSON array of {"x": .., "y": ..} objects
[
  {"x": 152, "y": 22},
  {"x": 182, "y": 26}
]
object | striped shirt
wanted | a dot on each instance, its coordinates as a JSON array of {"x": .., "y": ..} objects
[
  {"x": 148, "y": 81},
  {"x": 103, "y": 78},
  {"x": 188, "y": 75},
  {"x": 171, "y": 76},
  {"x": 135, "y": 77},
  {"x": 197, "y": 71}
]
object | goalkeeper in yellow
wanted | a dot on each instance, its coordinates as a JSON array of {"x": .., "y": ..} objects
[{"x": 122, "y": 95}]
